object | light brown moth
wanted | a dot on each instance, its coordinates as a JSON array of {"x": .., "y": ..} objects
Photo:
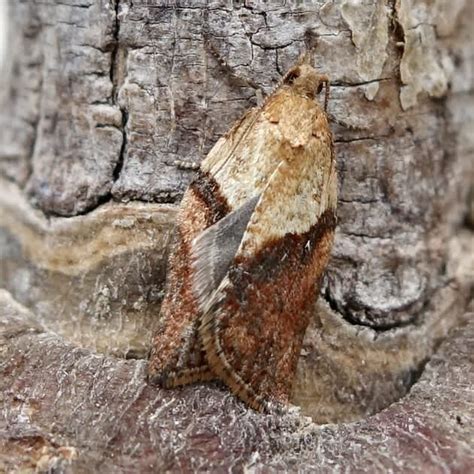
[{"x": 253, "y": 237}]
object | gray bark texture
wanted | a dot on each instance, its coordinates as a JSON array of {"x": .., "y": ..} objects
[{"x": 106, "y": 109}]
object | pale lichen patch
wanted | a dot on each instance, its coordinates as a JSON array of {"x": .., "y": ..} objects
[
  {"x": 368, "y": 22},
  {"x": 425, "y": 65}
]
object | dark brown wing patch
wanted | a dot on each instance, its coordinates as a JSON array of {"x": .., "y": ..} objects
[
  {"x": 207, "y": 191},
  {"x": 263, "y": 314}
]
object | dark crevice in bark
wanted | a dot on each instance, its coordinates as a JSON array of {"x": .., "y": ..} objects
[
  {"x": 75, "y": 5},
  {"x": 361, "y": 83},
  {"x": 468, "y": 220},
  {"x": 397, "y": 36},
  {"x": 359, "y": 139},
  {"x": 418, "y": 308},
  {"x": 345, "y": 312},
  {"x": 270, "y": 48},
  {"x": 119, "y": 165},
  {"x": 117, "y": 75},
  {"x": 116, "y": 56}
]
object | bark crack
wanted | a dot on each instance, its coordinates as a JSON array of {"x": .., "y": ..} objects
[
  {"x": 345, "y": 312},
  {"x": 359, "y": 139},
  {"x": 361, "y": 83},
  {"x": 117, "y": 76}
]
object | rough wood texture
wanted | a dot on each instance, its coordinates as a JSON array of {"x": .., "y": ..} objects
[
  {"x": 90, "y": 413},
  {"x": 96, "y": 279},
  {"x": 116, "y": 101}
]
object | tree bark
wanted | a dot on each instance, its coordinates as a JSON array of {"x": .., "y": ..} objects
[
  {"x": 106, "y": 109},
  {"x": 69, "y": 410}
]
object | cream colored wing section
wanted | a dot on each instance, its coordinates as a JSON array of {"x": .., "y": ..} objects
[
  {"x": 302, "y": 187},
  {"x": 243, "y": 160}
]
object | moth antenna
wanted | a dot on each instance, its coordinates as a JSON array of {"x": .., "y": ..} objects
[
  {"x": 260, "y": 97},
  {"x": 306, "y": 57},
  {"x": 326, "y": 94},
  {"x": 224, "y": 65},
  {"x": 311, "y": 41}
]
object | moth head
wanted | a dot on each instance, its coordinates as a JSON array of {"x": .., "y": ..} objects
[{"x": 305, "y": 80}]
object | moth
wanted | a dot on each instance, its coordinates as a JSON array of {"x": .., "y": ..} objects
[{"x": 253, "y": 236}]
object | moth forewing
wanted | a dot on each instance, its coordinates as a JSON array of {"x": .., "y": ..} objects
[
  {"x": 247, "y": 266},
  {"x": 253, "y": 325}
]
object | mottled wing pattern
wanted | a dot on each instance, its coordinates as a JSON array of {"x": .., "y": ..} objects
[
  {"x": 253, "y": 237},
  {"x": 253, "y": 325},
  {"x": 177, "y": 357}
]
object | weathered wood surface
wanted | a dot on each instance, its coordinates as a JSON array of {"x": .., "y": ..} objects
[
  {"x": 70, "y": 409},
  {"x": 103, "y": 115}
]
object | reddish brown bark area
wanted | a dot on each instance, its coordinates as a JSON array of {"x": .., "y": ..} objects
[{"x": 101, "y": 415}]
